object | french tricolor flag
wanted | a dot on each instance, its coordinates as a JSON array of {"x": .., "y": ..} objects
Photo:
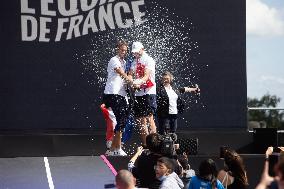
[{"x": 111, "y": 123}]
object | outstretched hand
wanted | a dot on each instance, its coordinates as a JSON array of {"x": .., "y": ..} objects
[{"x": 139, "y": 150}]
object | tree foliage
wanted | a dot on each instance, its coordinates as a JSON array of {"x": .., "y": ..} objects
[{"x": 273, "y": 118}]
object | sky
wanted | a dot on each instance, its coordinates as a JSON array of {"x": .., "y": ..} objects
[{"x": 265, "y": 48}]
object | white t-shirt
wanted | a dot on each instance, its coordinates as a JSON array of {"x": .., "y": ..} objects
[
  {"x": 149, "y": 64},
  {"x": 172, "y": 100},
  {"x": 115, "y": 84}
]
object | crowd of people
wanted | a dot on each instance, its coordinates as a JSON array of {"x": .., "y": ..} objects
[
  {"x": 155, "y": 164},
  {"x": 153, "y": 169}
]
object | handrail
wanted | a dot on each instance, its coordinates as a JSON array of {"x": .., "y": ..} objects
[{"x": 264, "y": 108}]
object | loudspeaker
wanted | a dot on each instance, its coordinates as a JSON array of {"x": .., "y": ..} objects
[
  {"x": 187, "y": 145},
  {"x": 263, "y": 138}
]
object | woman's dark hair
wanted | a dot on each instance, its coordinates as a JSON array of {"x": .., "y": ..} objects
[
  {"x": 236, "y": 166},
  {"x": 208, "y": 168},
  {"x": 167, "y": 162}
]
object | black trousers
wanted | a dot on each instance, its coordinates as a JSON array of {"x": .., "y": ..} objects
[{"x": 167, "y": 123}]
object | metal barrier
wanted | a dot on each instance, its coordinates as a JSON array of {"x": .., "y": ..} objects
[{"x": 261, "y": 123}]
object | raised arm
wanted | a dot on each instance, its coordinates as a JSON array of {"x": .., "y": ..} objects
[
  {"x": 265, "y": 178},
  {"x": 134, "y": 158}
]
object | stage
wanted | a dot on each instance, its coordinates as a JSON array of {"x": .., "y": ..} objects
[{"x": 17, "y": 143}]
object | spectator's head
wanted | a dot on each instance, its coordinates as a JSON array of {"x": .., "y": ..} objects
[
  {"x": 208, "y": 170},
  {"x": 125, "y": 180},
  {"x": 167, "y": 78},
  {"x": 232, "y": 159},
  {"x": 234, "y": 164},
  {"x": 153, "y": 142},
  {"x": 164, "y": 167}
]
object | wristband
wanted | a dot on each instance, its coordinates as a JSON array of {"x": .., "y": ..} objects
[{"x": 266, "y": 159}]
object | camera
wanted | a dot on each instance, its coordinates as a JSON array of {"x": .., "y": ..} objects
[{"x": 168, "y": 144}]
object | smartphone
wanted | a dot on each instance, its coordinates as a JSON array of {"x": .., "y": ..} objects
[{"x": 273, "y": 160}]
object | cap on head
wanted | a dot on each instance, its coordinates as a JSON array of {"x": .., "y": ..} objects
[{"x": 137, "y": 46}]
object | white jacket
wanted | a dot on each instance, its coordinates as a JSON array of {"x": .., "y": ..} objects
[{"x": 172, "y": 181}]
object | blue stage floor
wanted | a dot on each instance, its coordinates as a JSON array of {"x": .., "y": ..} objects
[{"x": 84, "y": 172}]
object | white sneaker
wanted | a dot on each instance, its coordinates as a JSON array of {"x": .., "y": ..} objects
[
  {"x": 110, "y": 153},
  {"x": 108, "y": 144},
  {"x": 120, "y": 152}
]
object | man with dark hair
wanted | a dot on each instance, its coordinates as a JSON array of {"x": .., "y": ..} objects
[
  {"x": 115, "y": 96},
  {"x": 164, "y": 170}
]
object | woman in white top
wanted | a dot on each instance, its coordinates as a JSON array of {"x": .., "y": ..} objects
[
  {"x": 115, "y": 96},
  {"x": 169, "y": 103}
]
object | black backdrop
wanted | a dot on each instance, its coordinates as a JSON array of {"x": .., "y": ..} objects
[{"x": 58, "y": 85}]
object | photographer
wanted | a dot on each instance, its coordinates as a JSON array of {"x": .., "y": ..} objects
[{"x": 143, "y": 162}]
